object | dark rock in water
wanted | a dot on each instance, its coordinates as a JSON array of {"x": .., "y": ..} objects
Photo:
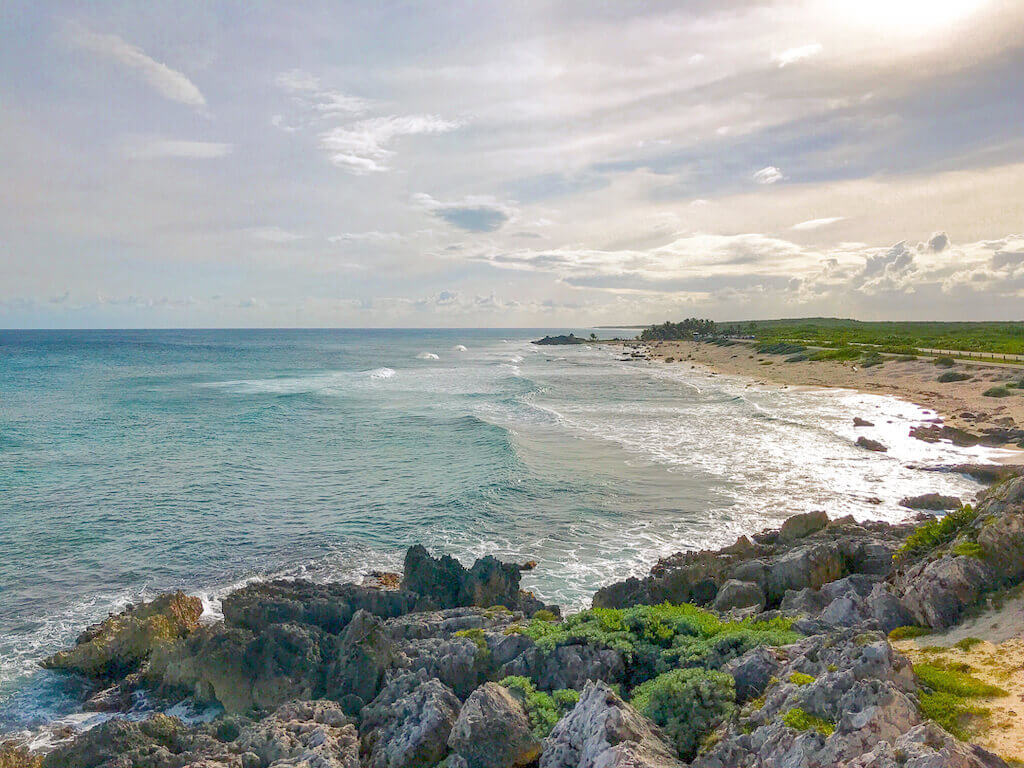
[
  {"x": 932, "y": 501},
  {"x": 603, "y": 731},
  {"x": 409, "y": 723},
  {"x": 327, "y": 606},
  {"x": 983, "y": 473},
  {"x": 859, "y": 422},
  {"x": 492, "y": 731},
  {"x": 871, "y": 445},
  {"x": 444, "y": 582},
  {"x": 933, "y": 433},
  {"x": 559, "y": 340}
]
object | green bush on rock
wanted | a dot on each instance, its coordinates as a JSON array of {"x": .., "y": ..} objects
[
  {"x": 687, "y": 704},
  {"x": 542, "y": 709},
  {"x": 662, "y": 636},
  {"x": 800, "y": 720},
  {"x": 934, "y": 532}
]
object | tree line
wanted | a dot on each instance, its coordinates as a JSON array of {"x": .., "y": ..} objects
[{"x": 689, "y": 328}]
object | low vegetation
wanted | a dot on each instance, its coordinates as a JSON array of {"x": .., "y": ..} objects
[
  {"x": 799, "y": 678},
  {"x": 908, "y": 632},
  {"x": 949, "y": 696},
  {"x": 800, "y": 720},
  {"x": 890, "y": 337},
  {"x": 688, "y": 704},
  {"x": 951, "y": 376},
  {"x": 935, "y": 532},
  {"x": 997, "y": 392},
  {"x": 657, "y": 638},
  {"x": 542, "y": 709}
]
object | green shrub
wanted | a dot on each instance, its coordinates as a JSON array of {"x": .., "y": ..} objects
[
  {"x": 542, "y": 709},
  {"x": 796, "y": 358},
  {"x": 906, "y": 358},
  {"x": 799, "y": 678},
  {"x": 936, "y": 531},
  {"x": 688, "y": 704},
  {"x": 944, "y": 361},
  {"x": 800, "y": 720},
  {"x": 950, "y": 376},
  {"x": 906, "y": 633},
  {"x": 780, "y": 348},
  {"x": 872, "y": 359},
  {"x": 662, "y": 636},
  {"x": 477, "y": 636},
  {"x": 545, "y": 615},
  {"x": 969, "y": 549},
  {"x": 996, "y": 392},
  {"x": 954, "y": 682}
]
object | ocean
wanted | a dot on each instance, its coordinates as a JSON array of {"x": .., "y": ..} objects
[{"x": 135, "y": 462}]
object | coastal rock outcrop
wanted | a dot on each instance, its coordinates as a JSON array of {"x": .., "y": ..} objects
[
  {"x": 935, "y": 502},
  {"x": 603, "y": 731},
  {"x": 492, "y": 731},
  {"x": 120, "y": 643}
]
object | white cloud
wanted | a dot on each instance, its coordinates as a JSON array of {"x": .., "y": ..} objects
[
  {"x": 367, "y": 237},
  {"x": 362, "y": 147},
  {"x": 150, "y": 148},
  {"x": 793, "y": 55},
  {"x": 817, "y": 223},
  {"x": 768, "y": 175},
  {"x": 170, "y": 83}
]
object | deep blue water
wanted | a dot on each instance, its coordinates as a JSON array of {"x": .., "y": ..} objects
[{"x": 133, "y": 462}]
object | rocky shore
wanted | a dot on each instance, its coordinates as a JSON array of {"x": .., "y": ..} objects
[{"x": 774, "y": 651}]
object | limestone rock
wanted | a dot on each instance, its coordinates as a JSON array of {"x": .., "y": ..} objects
[
  {"x": 492, "y": 731},
  {"x": 603, "y": 731},
  {"x": 119, "y": 644}
]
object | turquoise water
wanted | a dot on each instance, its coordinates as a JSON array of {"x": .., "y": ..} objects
[{"x": 133, "y": 462}]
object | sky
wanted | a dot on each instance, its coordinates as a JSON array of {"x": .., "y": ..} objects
[{"x": 519, "y": 164}]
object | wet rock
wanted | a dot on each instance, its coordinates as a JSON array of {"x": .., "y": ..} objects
[
  {"x": 739, "y": 594},
  {"x": 445, "y": 583},
  {"x": 603, "y": 731},
  {"x": 871, "y": 445},
  {"x": 120, "y": 643},
  {"x": 409, "y": 723},
  {"x": 492, "y": 731},
  {"x": 931, "y": 501}
]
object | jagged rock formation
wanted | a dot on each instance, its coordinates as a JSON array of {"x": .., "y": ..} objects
[{"x": 340, "y": 676}]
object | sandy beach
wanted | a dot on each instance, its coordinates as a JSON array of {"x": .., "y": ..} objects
[{"x": 960, "y": 404}]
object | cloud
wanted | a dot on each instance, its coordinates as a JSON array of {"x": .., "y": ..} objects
[
  {"x": 817, "y": 223},
  {"x": 481, "y": 213},
  {"x": 151, "y": 148},
  {"x": 307, "y": 90},
  {"x": 367, "y": 237},
  {"x": 793, "y": 55},
  {"x": 274, "y": 234},
  {"x": 362, "y": 147},
  {"x": 167, "y": 82},
  {"x": 768, "y": 175}
]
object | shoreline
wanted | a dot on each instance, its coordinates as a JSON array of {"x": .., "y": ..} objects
[{"x": 959, "y": 404}]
